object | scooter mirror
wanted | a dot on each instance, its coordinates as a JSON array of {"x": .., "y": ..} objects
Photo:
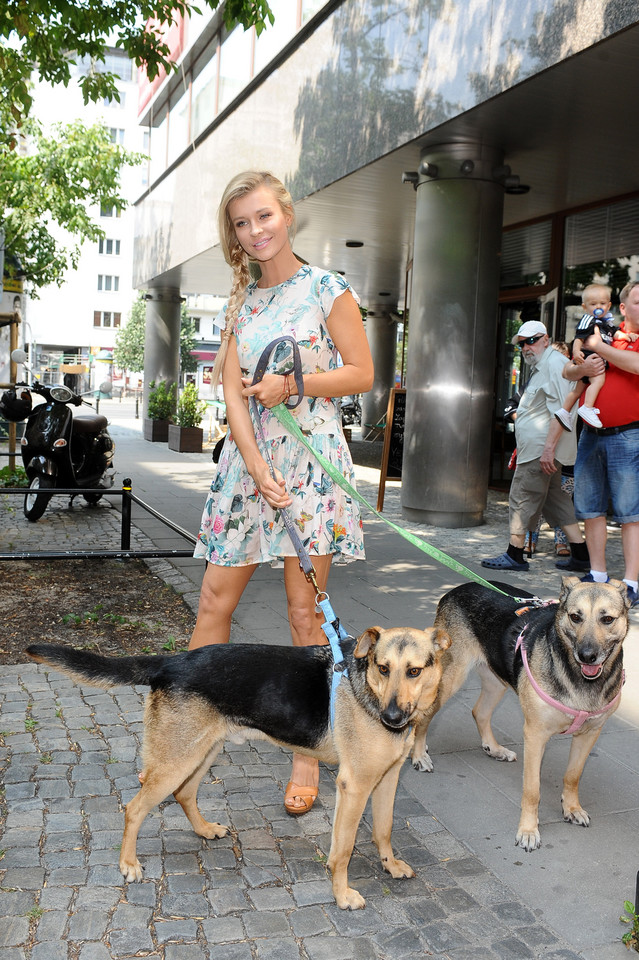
[
  {"x": 106, "y": 387},
  {"x": 19, "y": 356}
]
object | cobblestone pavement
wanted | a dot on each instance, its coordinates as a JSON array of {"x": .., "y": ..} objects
[{"x": 70, "y": 757}]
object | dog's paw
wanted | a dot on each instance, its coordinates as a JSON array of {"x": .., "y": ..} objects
[
  {"x": 499, "y": 753},
  {"x": 423, "y": 764},
  {"x": 350, "y": 899},
  {"x": 132, "y": 872},
  {"x": 398, "y": 869},
  {"x": 528, "y": 839},
  {"x": 213, "y": 831},
  {"x": 575, "y": 815}
]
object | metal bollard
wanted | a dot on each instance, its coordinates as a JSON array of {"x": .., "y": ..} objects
[{"x": 125, "y": 539}]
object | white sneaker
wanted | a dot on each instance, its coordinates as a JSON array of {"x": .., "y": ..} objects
[
  {"x": 566, "y": 418},
  {"x": 589, "y": 414}
]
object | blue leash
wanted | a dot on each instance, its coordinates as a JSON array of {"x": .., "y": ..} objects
[{"x": 333, "y": 629}]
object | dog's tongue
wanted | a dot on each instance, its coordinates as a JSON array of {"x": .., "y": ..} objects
[{"x": 591, "y": 670}]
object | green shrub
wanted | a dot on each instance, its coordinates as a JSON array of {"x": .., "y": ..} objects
[
  {"x": 190, "y": 409},
  {"x": 13, "y": 478},
  {"x": 161, "y": 404}
]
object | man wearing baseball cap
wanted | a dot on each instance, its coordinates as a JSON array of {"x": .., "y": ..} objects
[{"x": 543, "y": 447}]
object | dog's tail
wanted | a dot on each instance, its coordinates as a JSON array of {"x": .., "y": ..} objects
[{"x": 94, "y": 669}]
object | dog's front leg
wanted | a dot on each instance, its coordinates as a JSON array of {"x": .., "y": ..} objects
[
  {"x": 349, "y": 806},
  {"x": 580, "y": 748},
  {"x": 535, "y": 740},
  {"x": 383, "y": 800}
]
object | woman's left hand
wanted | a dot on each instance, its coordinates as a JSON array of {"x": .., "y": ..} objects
[{"x": 269, "y": 391}]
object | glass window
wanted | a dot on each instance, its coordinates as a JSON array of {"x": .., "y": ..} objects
[
  {"x": 525, "y": 256},
  {"x": 204, "y": 95},
  {"x": 235, "y": 65},
  {"x": 277, "y": 35},
  {"x": 116, "y": 319},
  {"x": 178, "y": 127},
  {"x": 310, "y": 8},
  {"x": 157, "y": 164},
  {"x": 107, "y": 282},
  {"x": 100, "y": 279},
  {"x": 106, "y": 319},
  {"x": 601, "y": 246},
  {"x": 97, "y": 317}
]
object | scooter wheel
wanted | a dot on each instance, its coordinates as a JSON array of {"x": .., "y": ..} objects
[
  {"x": 35, "y": 502},
  {"x": 92, "y": 498}
]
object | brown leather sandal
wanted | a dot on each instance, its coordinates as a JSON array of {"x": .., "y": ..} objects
[{"x": 294, "y": 791}]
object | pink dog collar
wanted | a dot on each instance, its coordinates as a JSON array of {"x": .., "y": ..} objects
[{"x": 579, "y": 717}]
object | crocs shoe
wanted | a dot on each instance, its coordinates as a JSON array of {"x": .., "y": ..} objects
[
  {"x": 590, "y": 579},
  {"x": 572, "y": 564},
  {"x": 504, "y": 562},
  {"x": 565, "y": 418},
  {"x": 633, "y": 596},
  {"x": 589, "y": 414}
]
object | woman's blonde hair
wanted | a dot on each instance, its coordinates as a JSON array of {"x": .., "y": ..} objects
[{"x": 234, "y": 253}]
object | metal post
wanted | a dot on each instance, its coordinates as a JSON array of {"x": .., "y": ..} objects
[{"x": 125, "y": 541}]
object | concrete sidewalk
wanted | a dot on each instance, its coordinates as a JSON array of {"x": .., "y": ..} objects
[{"x": 264, "y": 892}]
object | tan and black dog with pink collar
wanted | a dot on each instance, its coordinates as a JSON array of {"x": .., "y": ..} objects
[{"x": 564, "y": 661}]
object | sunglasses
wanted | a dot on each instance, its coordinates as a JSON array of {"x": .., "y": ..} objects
[{"x": 531, "y": 340}]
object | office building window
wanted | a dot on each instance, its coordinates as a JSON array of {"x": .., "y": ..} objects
[
  {"x": 204, "y": 91},
  {"x": 109, "y": 211},
  {"x": 235, "y": 65},
  {"x": 525, "y": 255},
  {"x": 106, "y": 318},
  {"x": 117, "y": 135},
  {"x": 108, "y": 282},
  {"x": 109, "y": 247}
]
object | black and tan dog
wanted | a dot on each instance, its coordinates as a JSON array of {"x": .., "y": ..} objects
[
  {"x": 571, "y": 684},
  {"x": 200, "y": 699}
]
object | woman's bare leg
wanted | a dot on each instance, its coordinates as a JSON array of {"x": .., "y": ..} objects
[
  {"x": 222, "y": 588},
  {"x": 306, "y": 631}
]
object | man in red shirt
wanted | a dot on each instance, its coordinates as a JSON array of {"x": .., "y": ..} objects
[{"x": 607, "y": 466}]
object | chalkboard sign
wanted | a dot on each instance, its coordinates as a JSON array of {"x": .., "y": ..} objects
[{"x": 391, "y": 467}]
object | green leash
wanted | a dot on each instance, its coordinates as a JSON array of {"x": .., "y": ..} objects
[{"x": 287, "y": 420}]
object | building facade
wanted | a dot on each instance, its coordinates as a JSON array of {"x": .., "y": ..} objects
[{"x": 465, "y": 166}]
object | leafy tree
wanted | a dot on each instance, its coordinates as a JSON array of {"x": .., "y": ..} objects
[
  {"x": 128, "y": 353},
  {"x": 55, "y": 34},
  {"x": 56, "y": 183}
]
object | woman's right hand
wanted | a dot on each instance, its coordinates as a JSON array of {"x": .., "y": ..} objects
[{"x": 273, "y": 489}]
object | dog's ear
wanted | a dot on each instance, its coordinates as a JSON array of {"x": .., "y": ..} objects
[
  {"x": 440, "y": 638},
  {"x": 567, "y": 583},
  {"x": 366, "y": 642},
  {"x": 623, "y": 590}
]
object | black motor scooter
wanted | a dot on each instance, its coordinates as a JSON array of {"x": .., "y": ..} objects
[{"x": 59, "y": 449}]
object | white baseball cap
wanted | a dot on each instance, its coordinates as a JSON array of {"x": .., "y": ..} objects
[{"x": 529, "y": 329}]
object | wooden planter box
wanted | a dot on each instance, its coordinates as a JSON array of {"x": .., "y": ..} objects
[
  {"x": 157, "y": 431},
  {"x": 185, "y": 439}
]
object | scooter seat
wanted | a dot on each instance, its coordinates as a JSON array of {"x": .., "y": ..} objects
[{"x": 89, "y": 423}]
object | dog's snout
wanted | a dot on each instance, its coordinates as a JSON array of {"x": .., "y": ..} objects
[
  {"x": 393, "y": 715},
  {"x": 588, "y": 652}
]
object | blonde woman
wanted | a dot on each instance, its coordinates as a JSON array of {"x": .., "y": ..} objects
[{"x": 241, "y": 523}]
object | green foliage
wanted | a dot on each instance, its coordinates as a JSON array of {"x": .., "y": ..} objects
[
  {"x": 56, "y": 34},
  {"x": 13, "y": 478},
  {"x": 161, "y": 405},
  {"x": 128, "y": 353},
  {"x": 631, "y": 938},
  {"x": 190, "y": 409},
  {"x": 54, "y": 186}
]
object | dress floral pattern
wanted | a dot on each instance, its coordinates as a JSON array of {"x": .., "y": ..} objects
[{"x": 238, "y": 526}]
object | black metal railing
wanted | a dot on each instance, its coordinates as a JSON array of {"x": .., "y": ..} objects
[{"x": 125, "y": 552}]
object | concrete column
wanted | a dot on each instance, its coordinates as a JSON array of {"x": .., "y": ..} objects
[
  {"x": 161, "y": 337},
  {"x": 451, "y": 334},
  {"x": 381, "y": 332}
]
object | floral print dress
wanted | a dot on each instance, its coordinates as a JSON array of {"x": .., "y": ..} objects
[{"x": 238, "y": 526}]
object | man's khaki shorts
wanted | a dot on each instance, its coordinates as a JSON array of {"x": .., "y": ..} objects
[{"x": 533, "y": 493}]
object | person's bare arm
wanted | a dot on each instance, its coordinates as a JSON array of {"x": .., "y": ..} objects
[{"x": 626, "y": 360}]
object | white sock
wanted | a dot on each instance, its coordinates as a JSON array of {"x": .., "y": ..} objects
[
  {"x": 632, "y": 583},
  {"x": 598, "y": 576}
]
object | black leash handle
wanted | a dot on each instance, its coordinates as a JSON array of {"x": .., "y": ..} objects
[{"x": 263, "y": 362}]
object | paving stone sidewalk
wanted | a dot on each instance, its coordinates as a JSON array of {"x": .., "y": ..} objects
[{"x": 70, "y": 758}]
